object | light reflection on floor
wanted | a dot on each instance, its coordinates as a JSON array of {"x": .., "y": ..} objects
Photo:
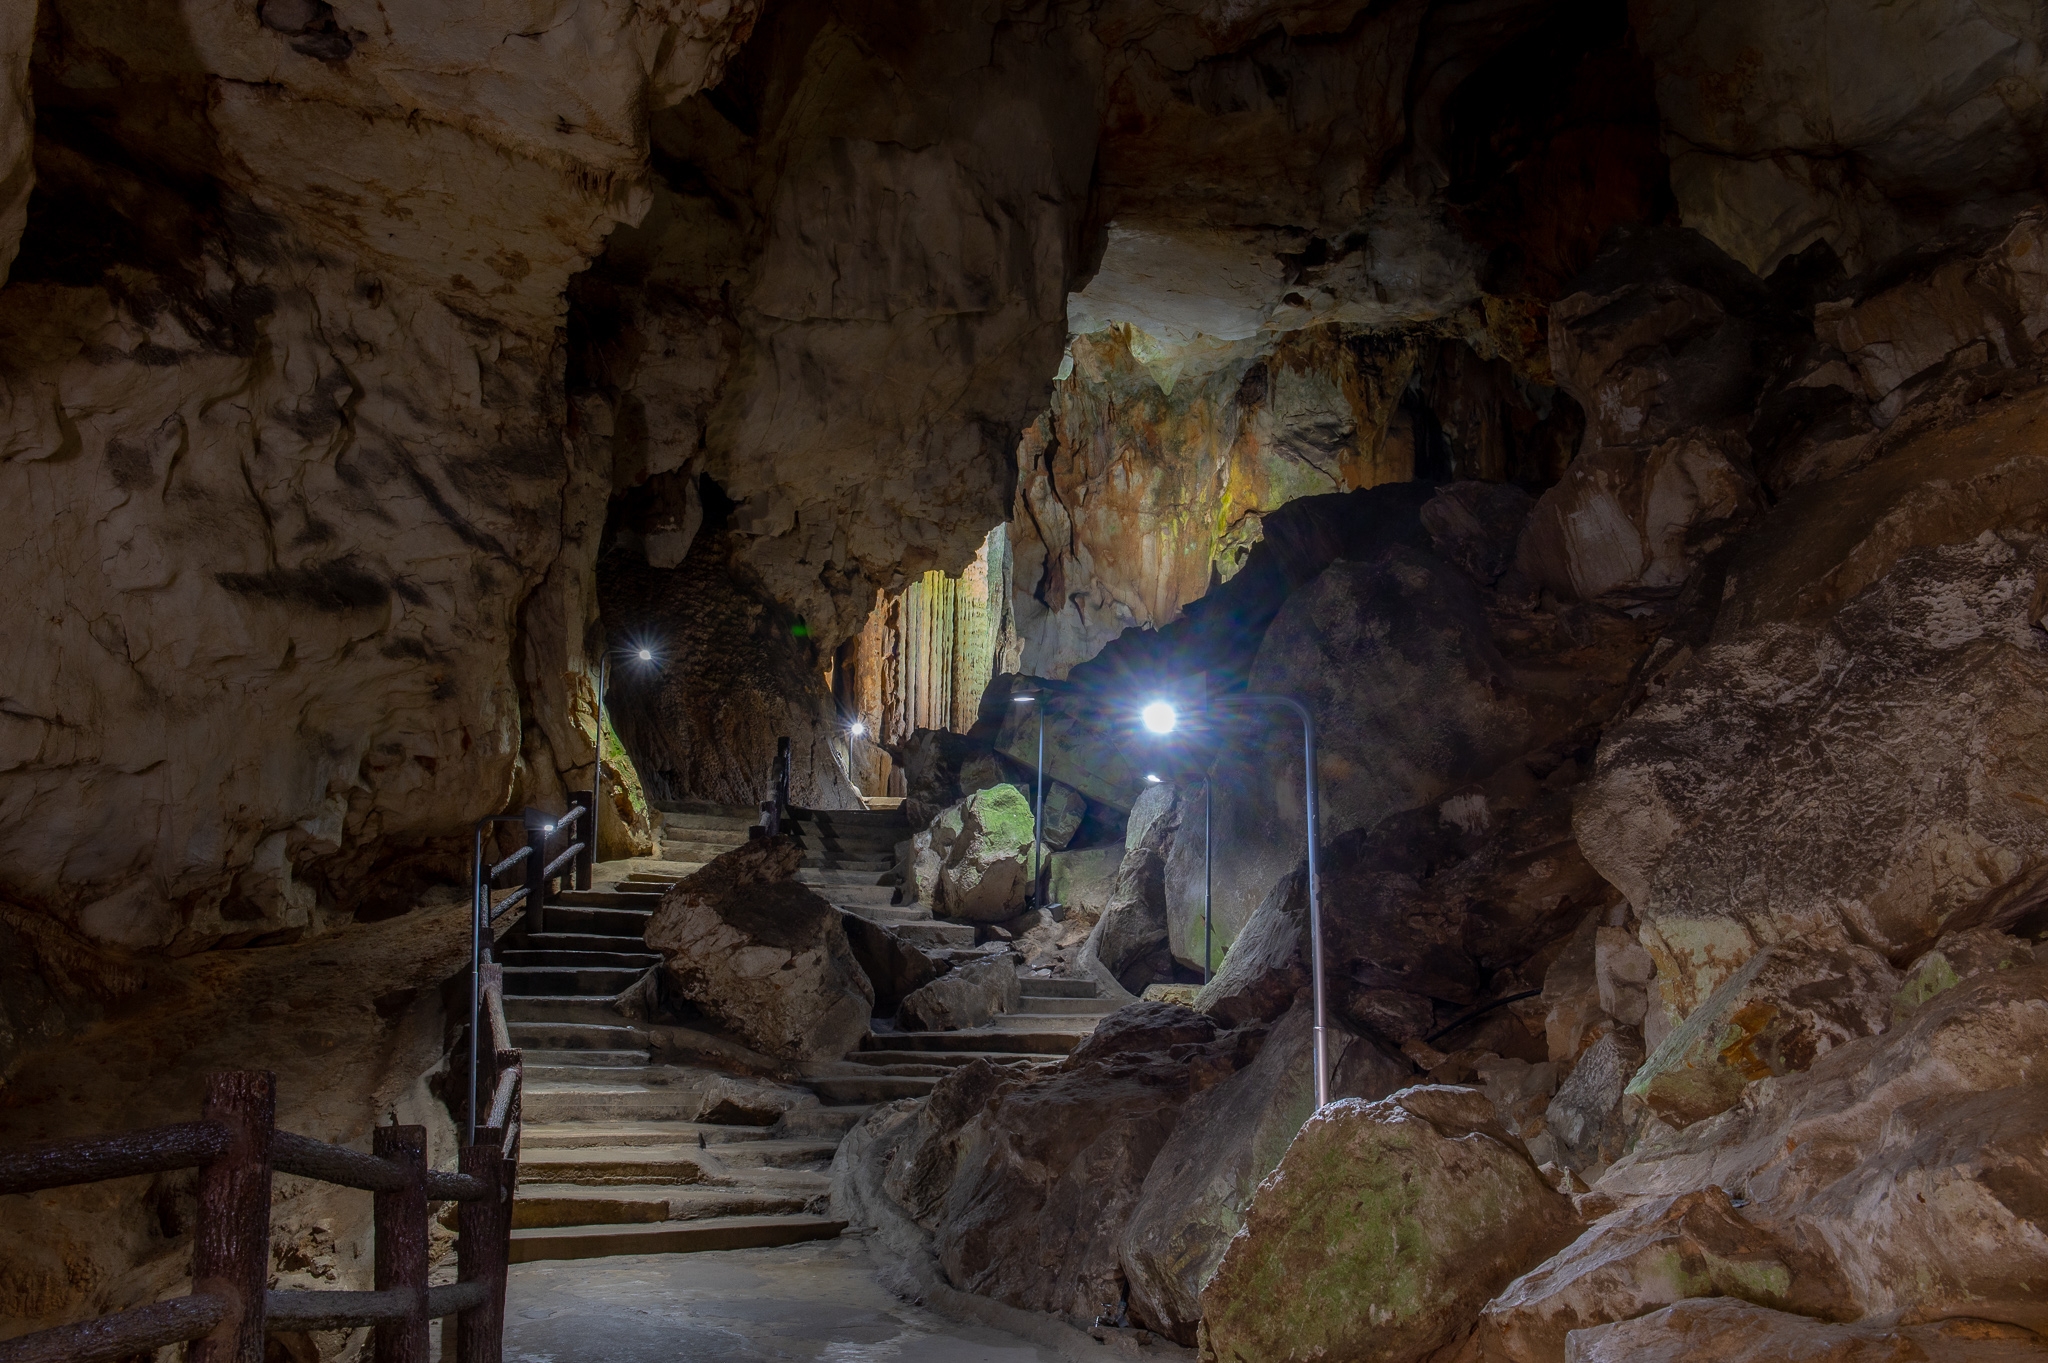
[{"x": 814, "y": 1302}]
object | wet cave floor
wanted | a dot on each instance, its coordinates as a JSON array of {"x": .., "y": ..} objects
[{"x": 812, "y": 1301}]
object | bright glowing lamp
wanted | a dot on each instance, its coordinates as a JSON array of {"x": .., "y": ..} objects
[
  {"x": 1159, "y": 717},
  {"x": 1150, "y": 779},
  {"x": 857, "y": 729},
  {"x": 646, "y": 655}
]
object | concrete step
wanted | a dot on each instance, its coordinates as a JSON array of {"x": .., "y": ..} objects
[
  {"x": 893, "y": 915},
  {"x": 671, "y": 1237},
  {"x": 578, "y": 960},
  {"x": 543, "y": 1058},
  {"x": 601, "y": 922},
  {"x": 866, "y": 896},
  {"x": 605, "y": 899},
  {"x": 572, "y": 941},
  {"x": 837, "y": 876},
  {"x": 576, "y": 1072},
  {"x": 879, "y": 1088},
  {"x": 565, "y": 1204},
  {"x": 596, "y": 982},
  {"x": 578, "y": 1038},
  {"x": 600, "y": 1166},
  {"x": 950, "y": 1060},
  {"x": 1045, "y": 1041},
  {"x": 1075, "y": 1025},
  {"x": 937, "y": 933},
  {"x": 693, "y": 849},
  {"x": 650, "y": 879},
  {"x": 555, "y": 1010},
  {"x": 854, "y": 818},
  {"x": 1036, "y": 988},
  {"x": 1063, "y": 1007},
  {"x": 583, "y": 1135},
  {"x": 580, "y": 1101},
  {"x": 715, "y": 825}
]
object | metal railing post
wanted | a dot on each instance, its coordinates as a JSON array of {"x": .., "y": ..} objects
[
  {"x": 585, "y": 830},
  {"x": 537, "y": 836},
  {"x": 781, "y": 779}
]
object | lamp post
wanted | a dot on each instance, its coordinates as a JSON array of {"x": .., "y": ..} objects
[
  {"x": 1160, "y": 718},
  {"x": 1038, "y": 810}
]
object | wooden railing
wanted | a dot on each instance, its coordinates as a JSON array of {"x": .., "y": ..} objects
[{"x": 236, "y": 1147}]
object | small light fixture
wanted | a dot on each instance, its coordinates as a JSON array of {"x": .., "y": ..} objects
[
  {"x": 646, "y": 655},
  {"x": 1022, "y": 700},
  {"x": 1150, "y": 779},
  {"x": 549, "y": 829},
  {"x": 858, "y": 729},
  {"x": 1159, "y": 717}
]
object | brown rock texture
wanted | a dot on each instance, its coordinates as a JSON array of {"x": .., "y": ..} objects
[
  {"x": 1384, "y": 1229},
  {"x": 1048, "y": 1172},
  {"x": 1729, "y": 1330},
  {"x": 764, "y": 955},
  {"x": 1910, "y": 1161}
]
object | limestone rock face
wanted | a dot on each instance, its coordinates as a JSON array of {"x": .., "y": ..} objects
[
  {"x": 923, "y": 1166},
  {"x": 1909, "y": 1161},
  {"x": 763, "y": 954},
  {"x": 973, "y": 862},
  {"x": 1381, "y": 1234},
  {"x": 1724, "y": 851},
  {"x": 17, "y": 122},
  {"x": 1912, "y": 94},
  {"x": 1729, "y": 1330},
  {"x": 1414, "y": 698},
  {"x": 1660, "y": 345},
  {"x": 1585, "y": 1119},
  {"x": 1786, "y": 1007},
  {"x": 1048, "y": 1172},
  {"x": 966, "y": 997},
  {"x": 1655, "y": 1253},
  {"x": 1228, "y": 1139},
  {"x": 1129, "y": 941}
]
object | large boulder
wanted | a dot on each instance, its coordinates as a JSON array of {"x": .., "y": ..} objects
[
  {"x": 966, "y": 997},
  {"x": 1228, "y": 1139},
  {"x": 1128, "y": 946},
  {"x": 1047, "y": 1173},
  {"x": 1786, "y": 1007},
  {"x": 1635, "y": 1260},
  {"x": 1418, "y": 693},
  {"x": 1586, "y": 1121},
  {"x": 973, "y": 861},
  {"x": 764, "y": 955},
  {"x": 1384, "y": 1230},
  {"x": 1911, "y": 1160},
  {"x": 1730, "y": 1330},
  {"x": 922, "y": 1167},
  {"x": 1836, "y": 766},
  {"x": 895, "y": 968}
]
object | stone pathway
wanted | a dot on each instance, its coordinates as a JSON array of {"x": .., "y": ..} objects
[{"x": 817, "y": 1301}]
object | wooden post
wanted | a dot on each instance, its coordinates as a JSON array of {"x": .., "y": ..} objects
[
  {"x": 536, "y": 878},
  {"x": 481, "y": 1250},
  {"x": 401, "y": 1228},
  {"x": 586, "y": 834},
  {"x": 232, "y": 1257}
]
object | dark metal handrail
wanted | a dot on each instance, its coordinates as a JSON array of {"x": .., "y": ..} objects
[{"x": 237, "y": 1148}]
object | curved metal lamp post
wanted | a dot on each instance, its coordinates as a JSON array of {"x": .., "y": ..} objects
[
  {"x": 1160, "y": 718},
  {"x": 1038, "y": 810}
]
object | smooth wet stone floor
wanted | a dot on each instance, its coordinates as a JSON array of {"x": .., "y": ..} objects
[{"x": 812, "y": 1301}]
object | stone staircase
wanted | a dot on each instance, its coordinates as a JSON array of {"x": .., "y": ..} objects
[
  {"x": 621, "y": 1155},
  {"x": 849, "y": 859}
]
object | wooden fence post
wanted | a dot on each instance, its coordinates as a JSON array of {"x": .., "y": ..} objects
[
  {"x": 401, "y": 1229},
  {"x": 481, "y": 1250},
  {"x": 232, "y": 1257}
]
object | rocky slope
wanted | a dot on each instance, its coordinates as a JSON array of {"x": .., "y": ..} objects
[{"x": 1621, "y": 424}]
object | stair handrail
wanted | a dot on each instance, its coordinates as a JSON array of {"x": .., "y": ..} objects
[
  {"x": 541, "y": 830},
  {"x": 237, "y": 1147}
]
